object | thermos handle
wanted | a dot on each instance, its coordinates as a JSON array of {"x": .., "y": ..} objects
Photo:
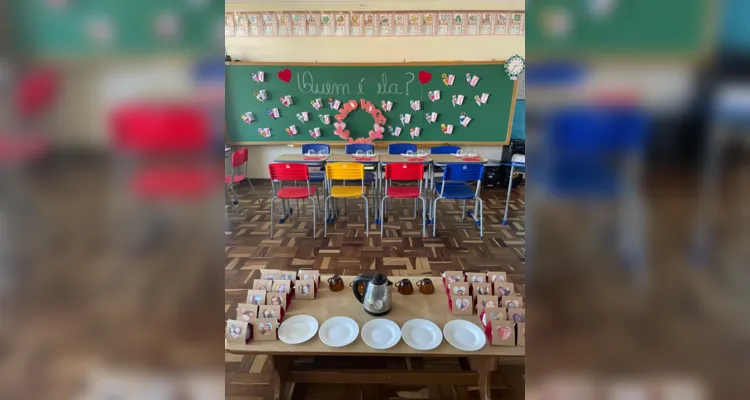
[{"x": 355, "y": 287}]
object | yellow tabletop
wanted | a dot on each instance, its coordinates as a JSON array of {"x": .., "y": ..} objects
[
  {"x": 296, "y": 157},
  {"x": 397, "y": 158},
  {"x": 433, "y": 307},
  {"x": 350, "y": 158},
  {"x": 451, "y": 159}
]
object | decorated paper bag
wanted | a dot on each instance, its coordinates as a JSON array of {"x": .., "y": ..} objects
[
  {"x": 502, "y": 333},
  {"x": 262, "y": 284},
  {"x": 461, "y": 305},
  {"x": 282, "y": 286},
  {"x": 510, "y": 302},
  {"x": 256, "y": 297},
  {"x": 288, "y": 276},
  {"x": 277, "y": 299},
  {"x": 504, "y": 288},
  {"x": 521, "y": 334},
  {"x": 497, "y": 277},
  {"x": 481, "y": 289},
  {"x": 237, "y": 332},
  {"x": 306, "y": 290},
  {"x": 246, "y": 312},
  {"x": 486, "y": 301},
  {"x": 492, "y": 314},
  {"x": 517, "y": 315},
  {"x": 476, "y": 277},
  {"x": 451, "y": 277},
  {"x": 270, "y": 274},
  {"x": 275, "y": 312},
  {"x": 265, "y": 328},
  {"x": 459, "y": 289},
  {"x": 309, "y": 274}
]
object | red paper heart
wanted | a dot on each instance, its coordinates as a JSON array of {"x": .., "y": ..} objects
[
  {"x": 285, "y": 75},
  {"x": 424, "y": 77}
]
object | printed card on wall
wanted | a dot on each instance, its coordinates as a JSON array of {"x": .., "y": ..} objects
[
  {"x": 486, "y": 26},
  {"x": 240, "y": 24},
  {"x": 284, "y": 24},
  {"x": 414, "y": 25},
  {"x": 429, "y": 24},
  {"x": 298, "y": 25},
  {"x": 472, "y": 24},
  {"x": 269, "y": 25},
  {"x": 355, "y": 24},
  {"x": 385, "y": 26},
  {"x": 255, "y": 25},
  {"x": 228, "y": 24},
  {"x": 399, "y": 24},
  {"x": 516, "y": 24},
  {"x": 370, "y": 24},
  {"x": 341, "y": 24},
  {"x": 326, "y": 24},
  {"x": 313, "y": 25},
  {"x": 445, "y": 24},
  {"x": 459, "y": 20},
  {"x": 501, "y": 24}
]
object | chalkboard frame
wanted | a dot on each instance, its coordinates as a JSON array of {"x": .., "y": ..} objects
[{"x": 381, "y": 143}]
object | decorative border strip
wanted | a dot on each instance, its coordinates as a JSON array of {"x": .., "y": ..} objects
[{"x": 382, "y": 23}]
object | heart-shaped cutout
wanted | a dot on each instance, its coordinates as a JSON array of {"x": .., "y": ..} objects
[
  {"x": 464, "y": 303},
  {"x": 424, "y": 77},
  {"x": 339, "y": 125},
  {"x": 285, "y": 75},
  {"x": 342, "y": 134},
  {"x": 377, "y": 128},
  {"x": 504, "y": 332},
  {"x": 460, "y": 304}
]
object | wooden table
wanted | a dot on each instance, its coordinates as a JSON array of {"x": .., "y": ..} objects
[
  {"x": 329, "y": 304},
  {"x": 300, "y": 158}
]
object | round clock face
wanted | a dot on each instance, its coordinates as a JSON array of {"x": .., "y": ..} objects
[{"x": 515, "y": 65}]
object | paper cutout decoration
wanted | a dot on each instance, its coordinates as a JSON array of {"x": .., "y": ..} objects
[
  {"x": 258, "y": 76},
  {"x": 416, "y": 105},
  {"x": 292, "y": 130},
  {"x": 448, "y": 79},
  {"x": 431, "y": 117},
  {"x": 265, "y": 132},
  {"x": 317, "y": 103},
  {"x": 376, "y": 132},
  {"x": 248, "y": 117},
  {"x": 478, "y": 100},
  {"x": 457, "y": 99},
  {"x": 484, "y": 98},
  {"x": 472, "y": 80},
  {"x": 303, "y": 116},
  {"x": 285, "y": 75},
  {"x": 274, "y": 113},
  {"x": 447, "y": 129},
  {"x": 334, "y": 104},
  {"x": 325, "y": 118},
  {"x": 433, "y": 95},
  {"x": 464, "y": 119},
  {"x": 340, "y": 130},
  {"x": 287, "y": 100},
  {"x": 315, "y": 132},
  {"x": 424, "y": 77},
  {"x": 405, "y": 118},
  {"x": 261, "y": 95},
  {"x": 394, "y": 131},
  {"x": 414, "y": 132},
  {"x": 387, "y": 105}
]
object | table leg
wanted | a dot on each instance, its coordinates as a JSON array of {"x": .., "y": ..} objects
[
  {"x": 484, "y": 365},
  {"x": 281, "y": 366},
  {"x": 507, "y": 199}
]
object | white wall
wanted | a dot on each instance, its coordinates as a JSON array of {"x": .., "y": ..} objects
[{"x": 377, "y": 49}]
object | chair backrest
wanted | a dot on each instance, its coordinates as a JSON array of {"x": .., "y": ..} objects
[
  {"x": 444, "y": 149},
  {"x": 288, "y": 172},
  {"x": 153, "y": 129},
  {"x": 352, "y": 148},
  {"x": 401, "y": 148},
  {"x": 463, "y": 172},
  {"x": 345, "y": 171},
  {"x": 316, "y": 148},
  {"x": 239, "y": 157},
  {"x": 404, "y": 172}
]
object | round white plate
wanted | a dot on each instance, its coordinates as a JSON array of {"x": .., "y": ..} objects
[
  {"x": 338, "y": 331},
  {"x": 381, "y": 334},
  {"x": 421, "y": 334},
  {"x": 464, "y": 335},
  {"x": 298, "y": 329}
]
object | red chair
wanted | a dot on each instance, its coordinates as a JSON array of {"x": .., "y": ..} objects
[
  {"x": 281, "y": 172},
  {"x": 404, "y": 172},
  {"x": 239, "y": 158}
]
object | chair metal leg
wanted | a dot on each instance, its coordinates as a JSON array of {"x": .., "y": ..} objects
[
  {"x": 434, "y": 216},
  {"x": 424, "y": 216},
  {"x": 315, "y": 215},
  {"x": 325, "y": 222},
  {"x": 415, "y": 209},
  {"x": 367, "y": 216},
  {"x": 272, "y": 201},
  {"x": 481, "y": 217},
  {"x": 382, "y": 215},
  {"x": 463, "y": 210}
]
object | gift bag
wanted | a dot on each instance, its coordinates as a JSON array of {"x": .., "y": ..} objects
[
  {"x": 306, "y": 290},
  {"x": 452, "y": 276},
  {"x": 461, "y": 305},
  {"x": 502, "y": 333},
  {"x": 517, "y": 315},
  {"x": 256, "y": 297},
  {"x": 270, "y": 274},
  {"x": 262, "y": 284},
  {"x": 497, "y": 277},
  {"x": 492, "y": 314},
  {"x": 277, "y": 299},
  {"x": 246, "y": 312},
  {"x": 512, "y": 302},
  {"x": 237, "y": 332},
  {"x": 265, "y": 329},
  {"x": 476, "y": 277},
  {"x": 459, "y": 289},
  {"x": 268, "y": 311},
  {"x": 486, "y": 301},
  {"x": 481, "y": 289},
  {"x": 504, "y": 288},
  {"x": 309, "y": 274}
]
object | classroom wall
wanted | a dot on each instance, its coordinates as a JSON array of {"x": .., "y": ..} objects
[{"x": 377, "y": 49}]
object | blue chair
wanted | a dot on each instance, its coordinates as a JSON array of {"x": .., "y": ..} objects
[
  {"x": 444, "y": 149},
  {"x": 369, "y": 176},
  {"x": 352, "y": 148},
  {"x": 458, "y": 176},
  {"x": 401, "y": 148},
  {"x": 316, "y": 147}
]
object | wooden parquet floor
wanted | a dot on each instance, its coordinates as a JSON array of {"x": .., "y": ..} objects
[{"x": 347, "y": 251}]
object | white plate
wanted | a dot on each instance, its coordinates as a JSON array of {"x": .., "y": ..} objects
[
  {"x": 421, "y": 334},
  {"x": 381, "y": 334},
  {"x": 298, "y": 329},
  {"x": 464, "y": 335},
  {"x": 338, "y": 331}
]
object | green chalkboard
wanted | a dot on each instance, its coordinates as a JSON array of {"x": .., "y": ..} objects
[
  {"x": 398, "y": 83},
  {"x": 629, "y": 28}
]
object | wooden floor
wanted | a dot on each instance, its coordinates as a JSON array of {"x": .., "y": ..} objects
[{"x": 347, "y": 251}]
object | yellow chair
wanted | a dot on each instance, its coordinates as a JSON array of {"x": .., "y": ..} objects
[{"x": 346, "y": 171}]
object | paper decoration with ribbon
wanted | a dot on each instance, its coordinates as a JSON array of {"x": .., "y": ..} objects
[
  {"x": 315, "y": 132},
  {"x": 248, "y": 117},
  {"x": 317, "y": 104},
  {"x": 405, "y": 118},
  {"x": 260, "y": 95},
  {"x": 258, "y": 76},
  {"x": 287, "y": 100},
  {"x": 447, "y": 129},
  {"x": 274, "y": 113},
  {"x": 386, "y": 105},
  {"x": 448, "y": 79},
  {"x": 464, "y": 119},
  {"x": 292, "y": 130},
  {"x": 325, "y": 118},
  {"x": 265, "y": 132},
  {"x": 433, "y": 95},
  {"x": 416, "y": 105}
]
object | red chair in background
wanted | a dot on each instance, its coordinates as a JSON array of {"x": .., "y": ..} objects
[
  {"x": 239, "y": 158},
  {"x": 281, "y": 172},
  {"x": 404, "y": 172}
]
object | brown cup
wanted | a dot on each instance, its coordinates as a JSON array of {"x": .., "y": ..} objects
[
  {"x": 425, "y": 286},
  {"x": 335, "y": 283},
  {"x": 360, "y": 287},
  {"x": 404, "y": 286}
]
